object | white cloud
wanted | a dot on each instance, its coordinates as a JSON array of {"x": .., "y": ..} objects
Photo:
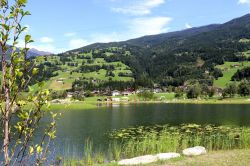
[
  {"x": 47, "y": 48},
  {"x": 106, "y": 38},
  {"x": 244, "y": 2},
  {"x": 148, "y": 26},
  {"x": 70, "y": 34},
  {"x": 21, "y": 43},
  {"x": 44, "y": 47},
  {"x": 139, "y": 7},
  {"x": 46, "y": 40},
  {"x": 77, "y": 43},
  {"x": 140, "y": 25},
  {"x": 188, "y": 26},
  {"x": 143, "y": 23},
  {"x": 137, "y": 27}
]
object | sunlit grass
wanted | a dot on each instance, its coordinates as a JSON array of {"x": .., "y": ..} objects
[
  {"x": 228, "y": 70},
  {"x": 137, "y": 141}
]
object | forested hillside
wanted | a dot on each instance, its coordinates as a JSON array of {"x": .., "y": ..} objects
[
  {"x": 89, "y": 70},
  {"x": 171, "y": 59}
]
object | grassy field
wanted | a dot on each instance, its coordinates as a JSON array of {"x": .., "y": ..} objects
[
  {"x": 66, "y": 76},
  {"x": 215, "y": 158},
  {"x": 74, "y": 106},
  {"x": 92, "y": 103},
  {"x": 229, "y": 69}
]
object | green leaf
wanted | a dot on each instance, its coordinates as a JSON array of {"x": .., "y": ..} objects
[
  {"x": 20, "y": 74},
  {"x": 31, "y": 89},
  {"x": 27, "y": 38},
  {"x": 39, "y": 149},
  {"x": 27, "y": 13},
  {"x": 21, "y": 2},
  {"x": 6, "y": 27},
  {"x": 41, "y": 84},
  {"x": 31, "y": 150},
  {"x": 35, "y": 71}
]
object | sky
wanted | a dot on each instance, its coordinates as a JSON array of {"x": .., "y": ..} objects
[{"x": 61, "y": 25}]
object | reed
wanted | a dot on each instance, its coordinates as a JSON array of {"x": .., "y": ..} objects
[{"x": 136, "y": 141}]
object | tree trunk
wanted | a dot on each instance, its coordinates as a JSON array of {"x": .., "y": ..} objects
[
  {"x": 6, "y": 113},
  {"x": 6, "y": 132}
]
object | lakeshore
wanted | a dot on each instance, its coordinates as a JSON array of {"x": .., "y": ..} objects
[
  {"x": 92, "y": 103},
  {"x": 215, "y": 158},
  {"x": 143, "y": 142}
]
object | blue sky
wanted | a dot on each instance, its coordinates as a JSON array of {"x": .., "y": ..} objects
[{"x": 60, "y": 25}]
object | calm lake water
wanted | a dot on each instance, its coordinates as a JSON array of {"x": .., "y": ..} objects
[{"x": 76, "y": 126}]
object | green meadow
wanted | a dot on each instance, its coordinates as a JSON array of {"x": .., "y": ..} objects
[
  {"x": 228, "y": 70},
  {"x": 67, "y": 74}
]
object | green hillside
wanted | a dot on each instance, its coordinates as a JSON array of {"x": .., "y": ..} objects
[
  {"x": 70, "y": 70},
  {"x": 229, "y": 69},
  {"x": 171, "y": 59}
]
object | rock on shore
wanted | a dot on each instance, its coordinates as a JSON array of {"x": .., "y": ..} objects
[
  {"x": 195, "y": 151},
  {"x": 148, "y": 159}
]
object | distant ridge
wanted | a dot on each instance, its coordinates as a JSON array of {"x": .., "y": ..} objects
[
  {"x": 35, "y": 52},
  {"x": 153, "y": 40}
]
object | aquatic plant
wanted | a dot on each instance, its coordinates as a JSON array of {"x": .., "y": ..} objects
[{"x": 142, "y": 140}]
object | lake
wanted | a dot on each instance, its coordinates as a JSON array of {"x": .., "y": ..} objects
[{"x": 76, "y": 126}]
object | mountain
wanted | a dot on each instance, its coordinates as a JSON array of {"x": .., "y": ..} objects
[
  {"x": 178, "y": 57},
  {"x": 34, "y": 52},
  {"x": 157, "y": 39},
  {"x": 152, "y": 40},
  {"x": 234, "y": 25}
]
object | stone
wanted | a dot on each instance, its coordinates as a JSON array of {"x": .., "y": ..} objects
[
  {"x": 139, "y": 160},
  {"x": 167, "y": 156},
  {"x": 195, "y": 151},
  {"x": 148, "y": 159}
]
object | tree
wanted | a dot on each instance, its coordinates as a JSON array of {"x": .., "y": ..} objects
[
  {"x": 241, "y": 74},
  {"x": 178, "y": 93},
  {"x": 194, "y": 91},
  {"x": 211, "y": 92},
  {"x": 204, "y": 90},
  {"x": 19, "y": 101},
  {"x": 217, "y": 73},
  {"x": 244, "y": 88},
  {"x": 230, "y": 90},
  {"x": 146, "y": 95}
]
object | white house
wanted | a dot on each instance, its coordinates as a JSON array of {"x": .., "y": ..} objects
[{"x": 116, "y": 93}]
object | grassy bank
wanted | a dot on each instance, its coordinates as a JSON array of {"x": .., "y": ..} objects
[
  {"x": 214, "y": 158},
  {"x": 132, "y": 142},
  {"x": 92, "y": 103},
  {"x": 74, "y": 106},
  {"x": 236, "y": 100}
]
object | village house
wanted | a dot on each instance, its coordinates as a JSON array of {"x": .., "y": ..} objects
[
  {"x": 127, "y": 93},
  {"x": 235, "y": 66},
  {"x": 70, "y": 94},
  {"x": 157, "y": 90},
  {"x": 60, "y": 80},
  {"x": 116, "y": 93}
]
